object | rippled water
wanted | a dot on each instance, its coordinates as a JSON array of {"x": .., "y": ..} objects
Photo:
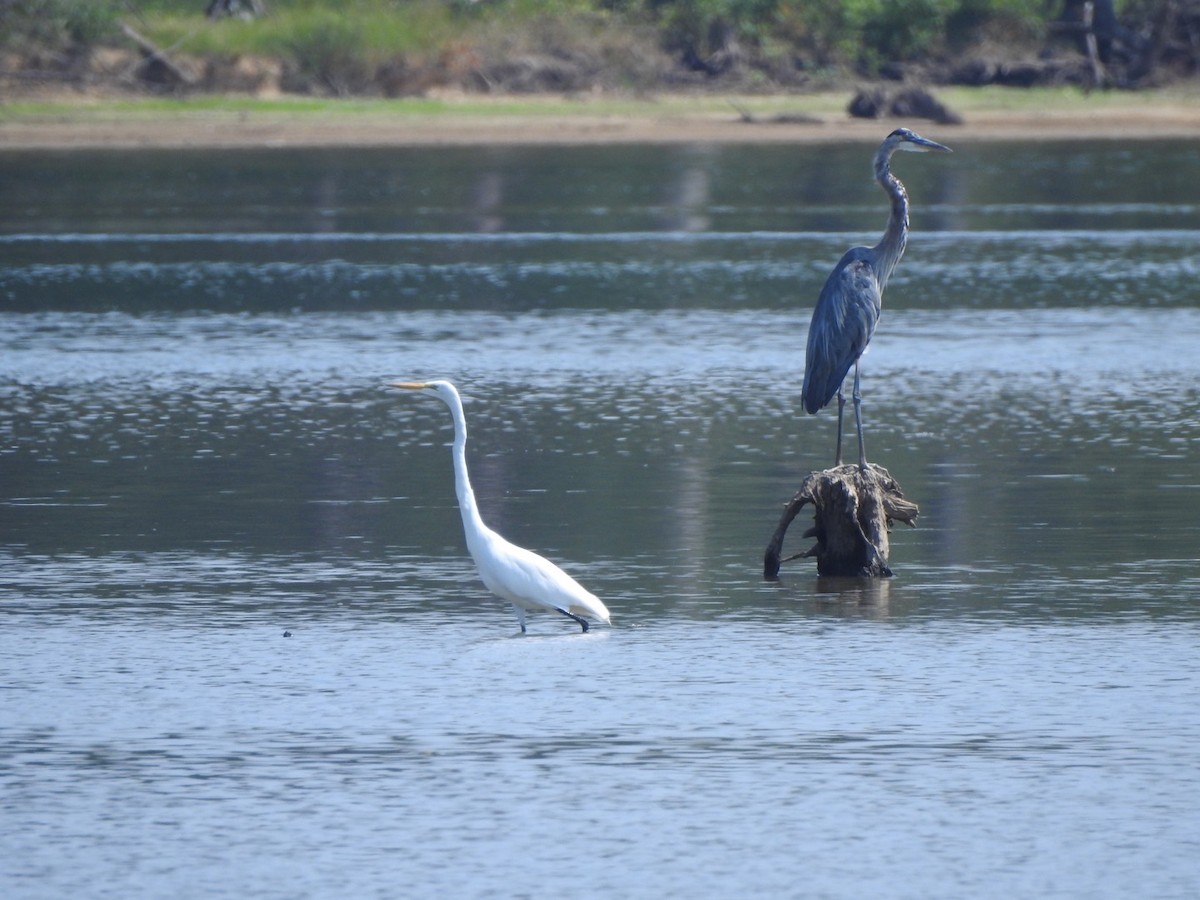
[{"x": 198, "y": 457}]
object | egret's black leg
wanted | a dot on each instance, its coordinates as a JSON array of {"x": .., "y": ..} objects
[
  {"x": 520, "y": 616},
  {"x": 862, "y": 449},
  {"x": 837, "y": 457},
  {"x": 580, "y": 619}
]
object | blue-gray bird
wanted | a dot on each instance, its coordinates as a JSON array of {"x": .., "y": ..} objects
[{"x": 849, "y": 306}]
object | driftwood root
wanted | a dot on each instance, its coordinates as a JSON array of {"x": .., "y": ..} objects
[{"x": 853, "y": 512}]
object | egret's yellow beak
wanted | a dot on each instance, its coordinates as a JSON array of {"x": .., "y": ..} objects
[{"x": 410, "y": 385}]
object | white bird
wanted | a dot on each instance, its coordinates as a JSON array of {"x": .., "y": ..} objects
[{"x": 515, "y": 574}]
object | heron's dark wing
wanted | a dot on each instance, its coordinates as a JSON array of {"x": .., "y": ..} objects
[{"x": 842, "y": 325}]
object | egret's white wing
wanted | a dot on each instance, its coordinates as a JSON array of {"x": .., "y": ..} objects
[{"x": 521, "y": 576}]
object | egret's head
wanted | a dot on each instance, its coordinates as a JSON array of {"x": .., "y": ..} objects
[
  {"x": 905, "y": 139},
  {"x": 443, "y": 389}
]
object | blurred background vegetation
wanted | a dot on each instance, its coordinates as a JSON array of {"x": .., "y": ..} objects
[{"x": 406, "y": 46}]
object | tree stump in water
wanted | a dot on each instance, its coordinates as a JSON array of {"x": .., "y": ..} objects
[{"x": 854, "y": 511}]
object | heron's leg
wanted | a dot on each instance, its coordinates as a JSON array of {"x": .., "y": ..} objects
[
  {"x": 862, "y": 450},
  {"x": 837, "y": 457},
  {"x": 580, "y": 619},
  {"x": 520, "y": 616}
]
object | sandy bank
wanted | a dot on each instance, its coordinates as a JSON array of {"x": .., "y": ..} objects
[{"x": 563, "y": 123}]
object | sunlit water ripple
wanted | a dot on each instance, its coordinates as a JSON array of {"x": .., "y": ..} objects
[{"x": 245, "y": 653}]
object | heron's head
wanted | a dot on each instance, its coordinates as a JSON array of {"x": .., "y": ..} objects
[
  {"x": 443, "y": 389},
  {"x": 906, "y": 139}
]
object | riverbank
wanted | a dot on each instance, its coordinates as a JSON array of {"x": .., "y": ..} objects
[{"x": 987, "y": 114}]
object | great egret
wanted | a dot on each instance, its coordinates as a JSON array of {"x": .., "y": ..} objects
[
  {"x": 850, "y": 303},
  {"x": 515, "y": 574}
]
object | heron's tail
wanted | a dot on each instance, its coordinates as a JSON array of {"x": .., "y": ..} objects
[{"x": 814, "y": 397}]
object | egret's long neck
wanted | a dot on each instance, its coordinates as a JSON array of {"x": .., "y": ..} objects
[
  {"x": 891, "y": 246},
  {"x": 472, "y": 521}
]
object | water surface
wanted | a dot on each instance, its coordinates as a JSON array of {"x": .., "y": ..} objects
[{"x": 198, "y": 456}]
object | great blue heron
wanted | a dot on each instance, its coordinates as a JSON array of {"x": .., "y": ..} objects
[
  {"x": 849, "y": 306},
  {"x": 520, "y": 576}
]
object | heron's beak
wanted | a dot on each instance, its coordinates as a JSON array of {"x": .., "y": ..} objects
[
  {"x": 920, "y": 144},
  {"x": 409, "y": 385}
]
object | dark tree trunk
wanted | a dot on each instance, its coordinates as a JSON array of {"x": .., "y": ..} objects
[
  {"x": 157, "y": 66},
  {"x": 244, "y": 8},
  {"x": 853, "y": 513}
]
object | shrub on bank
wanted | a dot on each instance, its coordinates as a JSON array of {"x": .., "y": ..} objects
[
  {"x": 57, "y": 24},
  {"x": 399, "y": 46}
]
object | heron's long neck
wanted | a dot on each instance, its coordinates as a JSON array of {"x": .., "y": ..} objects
[
  {"x": 891, "y": 246},
  {"x": 472, "y": 521}
]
